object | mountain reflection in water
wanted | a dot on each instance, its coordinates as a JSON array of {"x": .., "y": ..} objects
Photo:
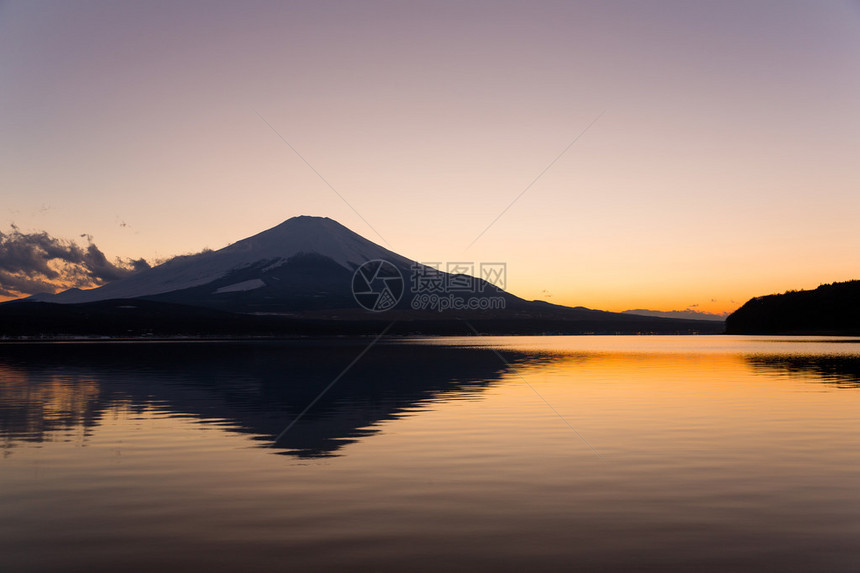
[
  {"x": 674, "y": 454},
  {"x": 257, "y": 388}
]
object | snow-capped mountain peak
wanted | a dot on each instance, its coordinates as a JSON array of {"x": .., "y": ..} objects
[
  {"x": 266, "y": 251},
  {"x": 306, "y": 234}
]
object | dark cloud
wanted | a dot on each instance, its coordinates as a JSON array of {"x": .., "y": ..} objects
[
  {"x": 12, "y": 285},
  {"x": 37, "y": 262}
]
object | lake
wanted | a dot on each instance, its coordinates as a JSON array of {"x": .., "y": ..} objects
[{"x": 616, "y": 453}]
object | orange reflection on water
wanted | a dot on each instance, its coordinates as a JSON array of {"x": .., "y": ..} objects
[{"x": 594, "y": 451}]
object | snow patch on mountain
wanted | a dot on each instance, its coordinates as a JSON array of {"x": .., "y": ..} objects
[
  {"x": 241, "y": 287},
  {"x": 273, "y": 266}
]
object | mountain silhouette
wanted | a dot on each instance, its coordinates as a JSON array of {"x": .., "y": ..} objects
[
  {"x": 308, "y": 275},
  {"x": 305, "y": 263},
  {"x": 689, "y": 313},
  {"x": 256, "y": 387},
  {"x": 829, "y": 309}
]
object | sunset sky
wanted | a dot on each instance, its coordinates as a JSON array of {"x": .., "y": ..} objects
[{"x": 722, "y": 159}]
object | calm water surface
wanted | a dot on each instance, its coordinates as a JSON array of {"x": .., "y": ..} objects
[{"x": 448, "y": 454}]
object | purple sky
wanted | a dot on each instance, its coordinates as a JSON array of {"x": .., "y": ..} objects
[{"x": 724, "y": 164}]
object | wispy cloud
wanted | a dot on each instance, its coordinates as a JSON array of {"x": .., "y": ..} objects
[{"x": 37, "y": 262}]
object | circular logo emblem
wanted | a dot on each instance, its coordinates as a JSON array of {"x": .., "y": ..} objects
[{"x": 377, "y": 285}]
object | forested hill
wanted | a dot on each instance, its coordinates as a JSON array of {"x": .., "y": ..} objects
[{"x": 829, "y": 309}]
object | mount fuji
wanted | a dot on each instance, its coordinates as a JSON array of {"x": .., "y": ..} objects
[
  {"x": 299, "y": 278},
  {"x": 305, "y": 263}
]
